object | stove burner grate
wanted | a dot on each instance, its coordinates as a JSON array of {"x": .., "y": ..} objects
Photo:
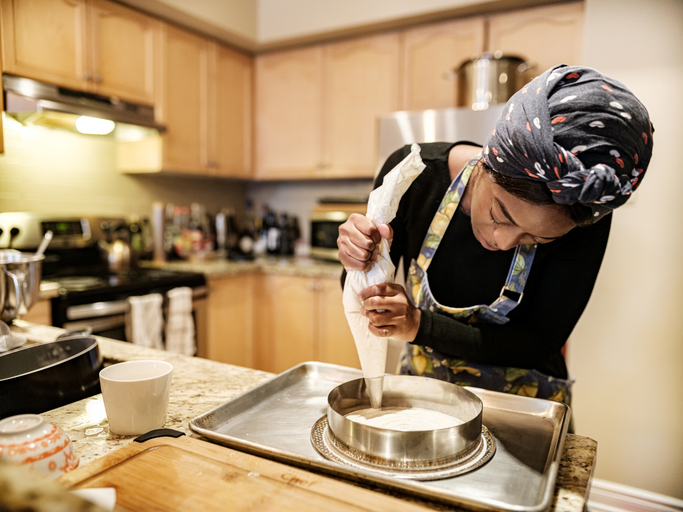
[{"x": 330, "y": 447}]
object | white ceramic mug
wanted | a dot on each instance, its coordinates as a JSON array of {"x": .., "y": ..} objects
[{"x": 136, "y": 395}]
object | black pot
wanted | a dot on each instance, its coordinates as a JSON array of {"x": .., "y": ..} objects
[{"x": 46, "y": 376}]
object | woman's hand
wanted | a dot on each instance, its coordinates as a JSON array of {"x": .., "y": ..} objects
[
  {"x": 358, "y": 242},
  {"x": 390, "y": 311}
]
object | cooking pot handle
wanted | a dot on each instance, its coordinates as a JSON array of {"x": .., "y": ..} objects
[{"x": 17, "y": 294}]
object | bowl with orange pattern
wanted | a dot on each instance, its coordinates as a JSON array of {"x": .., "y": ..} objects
[{"x": 29, "y": 440}]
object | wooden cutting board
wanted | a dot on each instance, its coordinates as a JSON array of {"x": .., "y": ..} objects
[{"x": 182, "y": 474}]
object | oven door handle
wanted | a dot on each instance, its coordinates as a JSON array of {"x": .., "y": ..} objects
[
  {"x": 116, "y": 307},
  {"x": 96, "y": 324},
  {"x": 97, "y": 309}
]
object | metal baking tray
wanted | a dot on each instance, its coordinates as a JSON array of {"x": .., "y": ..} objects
[{"x": 274, "y": 420}]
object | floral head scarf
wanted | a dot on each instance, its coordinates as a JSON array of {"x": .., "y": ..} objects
[{"x": 584, "y": 134}]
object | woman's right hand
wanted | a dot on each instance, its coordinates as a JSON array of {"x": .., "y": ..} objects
[{"x": 358, "y": 242}]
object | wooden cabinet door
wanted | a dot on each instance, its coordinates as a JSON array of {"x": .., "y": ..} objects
[
  {"x": 229, "y": 318},
  {"x": 336, "y": 343},
  {"x": 45, "y": 40},
  {"x": 431, "y": 55},
  {"x": 361, "y": 82},
  {"x": 545, "y": 35},
  {"x": 284, "y": 322},
  {"x": 288, "y": 113},
  {"x": 122, "y": 51},
  {"x": 183, "y": 100},
  {"x": 230, "y": 112}
]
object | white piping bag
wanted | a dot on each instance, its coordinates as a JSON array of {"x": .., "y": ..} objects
[{"x": 382, "y": 206}]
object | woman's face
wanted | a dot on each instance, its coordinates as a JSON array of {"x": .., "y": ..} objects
[{"x": 501, "y": 221}]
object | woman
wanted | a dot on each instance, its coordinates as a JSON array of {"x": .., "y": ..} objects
[{"x": 570, "y": 147}]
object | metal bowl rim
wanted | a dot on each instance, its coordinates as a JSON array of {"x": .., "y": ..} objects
[{"x": 476, "y": 399}]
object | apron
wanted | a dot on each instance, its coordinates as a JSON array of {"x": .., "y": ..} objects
[{"x": 424, "y": 361}]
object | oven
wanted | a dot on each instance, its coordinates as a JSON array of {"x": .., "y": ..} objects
[
  {"x": 85, "y": 303},
  {"x": 89, "y": 296}
]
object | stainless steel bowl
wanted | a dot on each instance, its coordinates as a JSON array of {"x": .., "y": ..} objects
[
  {"x": 20, "y": 275},
  {"x": 412, "y": 446}
]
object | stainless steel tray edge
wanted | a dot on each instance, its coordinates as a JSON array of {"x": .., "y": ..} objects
[{"x": 203, "y": 424}]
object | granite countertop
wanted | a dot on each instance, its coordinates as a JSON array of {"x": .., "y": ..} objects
[
  {"x": 200, "y": 385},
  {"x": 222, "y": 268},
  {"x": 218, "y": 268}
]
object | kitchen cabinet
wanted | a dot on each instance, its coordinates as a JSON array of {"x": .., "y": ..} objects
[
  {"x": 288, "y": 113},
  {"x": 546, "y": 35},
  {"x": 40, "y": 313},
  {"x": 230, "y": 118},
  {"x": 316, "y": 107},
  {"x": 229, "y": 321},
  {"x": 204, "y": 101},
  {"x": 300, "y": 319},
  {"x": 431, "y": 55},
  {"x": 91, "y": 45},
  {"x": 182, "y": 103}
]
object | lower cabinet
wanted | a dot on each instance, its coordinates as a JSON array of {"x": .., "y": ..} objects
[
  {"x": 40, "y": 313},
  {"x": 300, "y": 319},
  {"x": 273, "y": 322},
  {"x": 229, "y": 321}
]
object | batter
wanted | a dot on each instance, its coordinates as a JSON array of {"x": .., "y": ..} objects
[{"x": 405, "y": 419}]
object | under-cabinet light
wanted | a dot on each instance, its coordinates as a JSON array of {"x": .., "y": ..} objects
[{"x": 94, "y": 125}]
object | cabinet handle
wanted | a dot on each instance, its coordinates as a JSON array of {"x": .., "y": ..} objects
[
  {"x": 97, "y": 79},
  {"x": 87, "y": 75},
  {"x": 321, "y": 166},
  {"x": 318, "y": 287},
  {"x": 310, "y": 286}
]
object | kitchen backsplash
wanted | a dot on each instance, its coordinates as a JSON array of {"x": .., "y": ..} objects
[{"x": 55, "y": 171}]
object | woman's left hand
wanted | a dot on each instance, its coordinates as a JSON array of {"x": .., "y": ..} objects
[{"x": 390, "y": 311}]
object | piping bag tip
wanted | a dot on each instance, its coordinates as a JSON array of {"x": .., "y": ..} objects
[{"x": 374, "y": 387}]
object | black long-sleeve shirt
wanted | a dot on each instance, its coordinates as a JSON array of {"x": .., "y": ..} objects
[{"x": 464, "y": 274}]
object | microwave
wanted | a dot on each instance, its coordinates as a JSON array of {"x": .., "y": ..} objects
[{"x": 325, "y": 221}]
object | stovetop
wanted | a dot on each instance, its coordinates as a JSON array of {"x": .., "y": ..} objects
[{"x": 93, "y": 283}]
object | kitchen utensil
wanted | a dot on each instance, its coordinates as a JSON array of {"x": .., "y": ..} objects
[
  {"x": 409, "y": 450},
  {"x": 179, "y": 474},
  {"x": 45, "y": 376},
  {"x": 488, "y": 79},
  {"x": 529, "y": 436},
  {"x": 20, "y": 275},
  {"x": 135, "y": 395},
  {"x": 44, "y": 243},
  {"x": 28, "y": 439}
]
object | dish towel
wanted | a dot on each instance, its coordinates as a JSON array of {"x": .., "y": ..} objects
[
  {"x": 145, "y": 320},
  {"x": 180, "y": 332}
]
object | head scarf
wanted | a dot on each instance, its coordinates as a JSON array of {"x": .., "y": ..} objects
[{"x": 585, "y": 135}]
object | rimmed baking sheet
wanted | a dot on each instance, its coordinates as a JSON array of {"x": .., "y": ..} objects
[{"x": 274, "y": 420}]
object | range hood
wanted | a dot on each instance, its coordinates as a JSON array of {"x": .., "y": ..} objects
[{"x": 30, "y": 101}]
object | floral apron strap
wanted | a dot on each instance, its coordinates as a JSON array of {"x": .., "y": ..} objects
[{"x": 511, "y": 293}]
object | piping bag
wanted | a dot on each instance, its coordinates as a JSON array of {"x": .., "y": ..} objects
[{"x": 382, "y": 206}]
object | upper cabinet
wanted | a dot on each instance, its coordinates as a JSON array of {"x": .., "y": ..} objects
[
  {"x": 288, "y": 122},
  {"x": 182, "y": 104},
  {"x": 204, "y": 100},
  {"x": 316, "y": 107},
  {"x": 230, "y": 112},
  {"x": 91, "y": 45},
  {"x": 431, "y": 55},
  {"x": 546, "y": 36}
]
